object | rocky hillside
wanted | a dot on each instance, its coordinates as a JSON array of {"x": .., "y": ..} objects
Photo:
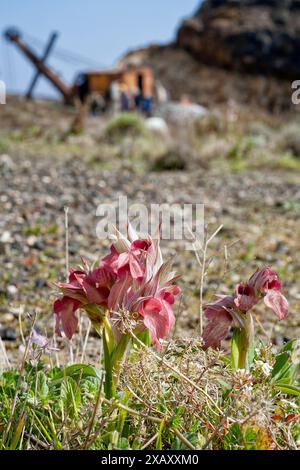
[
  {"x": 242, "y": 51},
  {"x": 248, "y": 35}
]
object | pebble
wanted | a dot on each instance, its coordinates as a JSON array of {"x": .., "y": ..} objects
[
  {"x": 6, "y": 318},
  {"x": 8, "y": 333},
  {"x": 294, "y": 292},
  {"x": 31, "y": 240},
  {"x": 6, "y": 162},
  {"x": 281, "y": 248},
  {"x": 11, "y": 291},
  {"x": 40, "y": 282},
  {"x": 6, "y": 237}
]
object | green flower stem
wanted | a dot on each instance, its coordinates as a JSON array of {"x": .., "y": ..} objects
[
  {"x": 113, "y": 353},
  {"x": 242, "y": 344},
  {"x": 118, "y": 356},
  {"x": 109, "y": 335},
  {"x": 243, "y": 352},
  {"x": 113, "y": 357},
  {"x": 109, "y": 385},
  {"x": 104, "y": 330}
]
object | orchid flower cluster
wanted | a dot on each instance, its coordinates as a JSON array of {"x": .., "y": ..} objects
[
  {"x": 235, "y": 310},
  {"x": 131, "y": 291}
]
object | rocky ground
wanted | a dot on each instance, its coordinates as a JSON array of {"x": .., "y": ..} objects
[{"x": 252, "y": 187}]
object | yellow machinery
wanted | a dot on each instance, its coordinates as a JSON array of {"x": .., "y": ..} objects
[{"x": 134, "y": 78}]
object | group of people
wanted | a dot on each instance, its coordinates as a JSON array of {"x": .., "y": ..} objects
[{"x": 125, "y": 98}]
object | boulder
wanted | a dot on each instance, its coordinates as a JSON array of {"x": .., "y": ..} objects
[
  {"x": 179, "y": 113},
  {"x": 157, "y": 126},
  {"x": 260, "y": 36}
]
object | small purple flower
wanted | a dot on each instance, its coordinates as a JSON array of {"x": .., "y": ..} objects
[{"x": 39, "y": 344}]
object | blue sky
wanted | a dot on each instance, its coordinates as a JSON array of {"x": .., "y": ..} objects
[{"x": 101, "y": 30}]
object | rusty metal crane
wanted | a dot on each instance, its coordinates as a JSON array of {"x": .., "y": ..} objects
[
  {"x": 86, "y": 83},
  {"x": 14, "y": 36}
]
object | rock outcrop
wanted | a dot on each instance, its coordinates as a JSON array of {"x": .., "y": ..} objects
[
  {"x": 232, "y": 51},
  {"x": 258, "y": 36}
]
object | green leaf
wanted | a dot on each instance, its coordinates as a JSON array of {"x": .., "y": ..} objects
[
  {"x": 281, "y": 368},
  {"x": 158, "y": 445},
  {"x": 234, "y": 438},
  {"x": 70, "y": 393},
  {"x": 119, "y": 351},
  {"x": 251, "y": 352},
  {"x": 235, "y": 347},
  {"x": 122, "y": 415},
  {"x": 251, "y": 437},
  {"x": 123, "y": 443},
  {"x": 289, "y": 389},
  {"x": 196, "y": 439},
  {"x": 144, "y": 337},
  {"x": 287, "y": 362},
  {"x": 113, "y": 438},
  {"x": 43, "y": 388},
  {"x": 18, "y": 432},
  {"x": 76, "y": 371}
]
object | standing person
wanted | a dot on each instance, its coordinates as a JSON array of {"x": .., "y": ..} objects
[
  {"x": 147, "y": 104},
  {"x": 125, "y": 101},
  {"x": 137, "y": 97},
  {"x": 162, "y": 93},
  {"x": 115, "y": 96}
]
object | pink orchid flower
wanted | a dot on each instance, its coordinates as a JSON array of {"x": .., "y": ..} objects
[
  {"x": 131, "y": 279},
  {"x": 151, "y": 294},
  {"x": 152, "y": 301},
  {"x": 228, "y": 310},
  {"x": 84, "y": 289},
  {"x": 267, "y": 284},
  {"x": 220, "y": 318},
  {"x": 245, "y": 297}
]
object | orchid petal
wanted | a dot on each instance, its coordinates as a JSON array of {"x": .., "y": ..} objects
[
  {"x": 277, "y": 302},
  {"x": 217, "y": 329},
  {"x": 158, "y": 318},
  {"x": 65, "y": 309}
]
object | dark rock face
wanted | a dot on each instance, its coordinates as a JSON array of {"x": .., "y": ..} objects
[{"x": 259, "y": 36}]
